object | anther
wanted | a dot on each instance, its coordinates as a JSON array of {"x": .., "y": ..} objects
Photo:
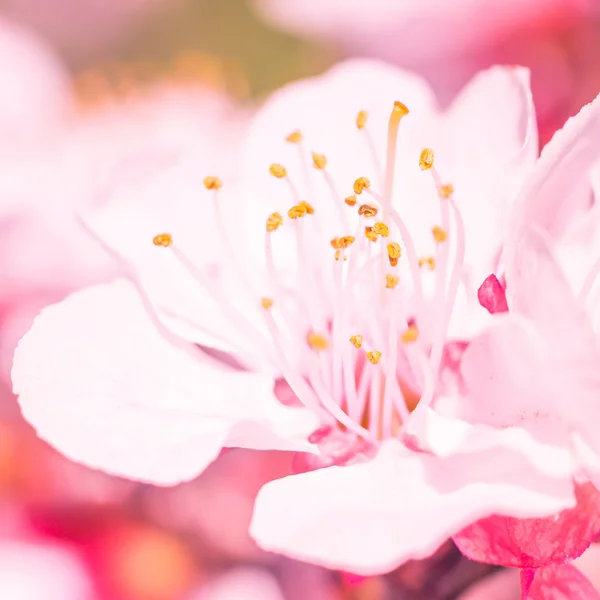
[
  {"x": 400, "y": 108},
  {"x": 391, "y": 281},
  {"x": 446, "y": 191},
  {"x": 356, "y": 341},
  {"x": 337, "y": 255},
  {"x": 163, "y": 239},
  {"x": 361, "y": 184},
  {"x": 394, "y": 253},
  {"x": 278, "y": 171},
  {"x": 370, "y": 234},
  {"x": 410, "y": 335},
  {"x": 309, "y": 209},
  {"x": 350, "y": 200},
  {"x": 426, "y": 159},
  {"x": 297, "y": 211},
  {"x": 213, "y": 183},
  {"x": 381, "y": 229},
  {"x": 374, "y": 356},
  {"x": 319, "y": 160},
  {"x": 439, "y": 234},
  {"x": 346, "y": 240},
  {"x": 274, "y": 222},
  {"x": 367, "y": 211},
  {"x": 316, "y": 341},
  {"x": 361, "y": 119},
  {"x": 427, "y": 261},
  {"x": 267, "y": 303},
  {"x": 295, "y": 137}
]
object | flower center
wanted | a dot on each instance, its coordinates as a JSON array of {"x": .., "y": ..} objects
[{"x": 357, "y": 331}]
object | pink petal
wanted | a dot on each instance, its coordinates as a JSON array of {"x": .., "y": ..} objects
[
  {"x": 503, "y": 585},
  {"x": 240, "y": 584},
  {"x": 369, "y": 518},
  {"x": 560, "y": 582},
  {"x": 99, "y": 381},
  {"x": 530, "y": 543},
  {"x": 491, "y": 295},
  {"x": 559, "y": 188}
]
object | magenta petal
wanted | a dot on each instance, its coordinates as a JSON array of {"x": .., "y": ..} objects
[
  {"x": 491, "y": 295},
  {"x": 558, "y": 582},
  {"x": 530, "y": 543}
]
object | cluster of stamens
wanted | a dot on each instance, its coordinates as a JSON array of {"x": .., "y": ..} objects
[{"x": 352, "y": 314}]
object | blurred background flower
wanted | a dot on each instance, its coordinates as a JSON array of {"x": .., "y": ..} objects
[{"x": 90, "y": 85}]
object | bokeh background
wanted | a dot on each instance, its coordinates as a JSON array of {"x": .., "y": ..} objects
[{"x": 85, "y": 84}]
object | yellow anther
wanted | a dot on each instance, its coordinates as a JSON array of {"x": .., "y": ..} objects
[
  {"x": 274, "y": 222},
  {"x": 213, "y": 183},
  {"x": 381, "y": 229},
  {"x": 346, "y": 240},
  {"x": 361, "y": 184},
  {"x": 391, "y": 281},
  {"x": 410, "y": 335},
  {"x": 350, "y": 200},
  {"x": 361, "y": 119},
  {"x": 370, "y": 234},
  {"x": 400, "y": 108},
  {"x": 309, "y": 209},
  {"x": 439, "y": 234},
  {"x": 266, "y": 303},
  {"x": 427, "y": 261},
  {"x": 319, "y": 160},
  {"x": 394, "y": 253},
  {"x": 426, "y": 159},
  {"x": 446, "y": 191},
  {"x": 337, "y": 255},
  {"x": 373, "y": 356},
  {"x": 297, "y": 211},
  {"x": 316, "y": 341},
  {"x": 295, "y": 137},
  {"x": 278, "y": 171},
  {"x": 163, "y": 239},
  {"x": 335, "y": 243},
  {"x": 356, "y": 341},
  {"x": 367, "y": 211}
]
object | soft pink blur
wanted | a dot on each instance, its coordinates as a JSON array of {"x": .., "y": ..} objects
[
  {"x": 84, "y": 28},
  {"x": 448, "y": 42}
]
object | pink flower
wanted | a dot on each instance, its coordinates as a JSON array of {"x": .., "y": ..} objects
[
  {"x": 447, "y": 42},
  {"x": 150, "y": 378}
]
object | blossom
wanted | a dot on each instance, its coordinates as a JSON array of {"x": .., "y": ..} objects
[
  {"x": 448, "y": 42},
  {"x": 340, "y": 267}
]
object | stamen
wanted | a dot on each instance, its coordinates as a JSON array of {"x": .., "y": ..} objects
[
  {"x": 278, "y": 171},
  {"x": 410, "y": 335},
  {"x": 373, "y": 357},
  {"x": 350, "y": 200},
  {"x": 381, "y": 229},
  {"x": 361, "y": 184},
  {"x": 297, "y": 212},
  {"x": 394, "y": 253},
  {"x": 319, "y": 161},
  {"x": 338, "y": 254},
  {"x": 439, "y": 234},
  {"x": 367, "y": 211},
  {"x": 446, "y": 190},
  {"x": 391, "y": 281},
  {"x": 309, "y": 209},
  {"x": 361, "y": 119},
  {"x": 426, "y": 159},
  {"x": 163, "y": 239},
  {"x": 427, "y": 261},
  {"x": 266, "y": 303},
  {"x": 316, "y": 341},
  {"x": 295, "y": 137},
  {"x": 274, "y": 222},
  {"x": 213, "y": 183},
  {"x": 356, "y": 341},
  {"x": 346, "y": 240},
  {"x": 370, "y": 234}
]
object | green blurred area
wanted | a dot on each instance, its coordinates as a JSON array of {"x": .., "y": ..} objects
[{"x": 230, "y": 31}]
